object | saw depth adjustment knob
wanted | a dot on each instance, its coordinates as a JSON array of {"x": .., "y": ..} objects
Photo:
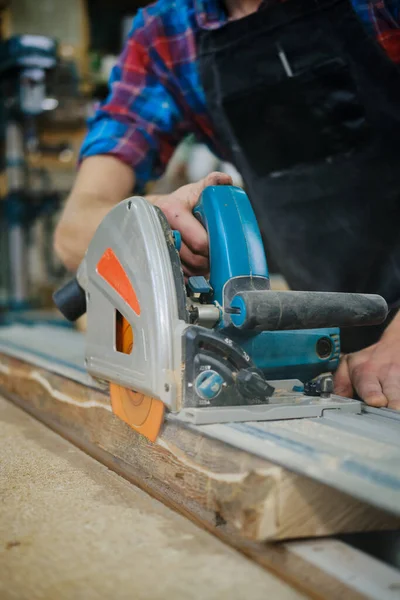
[
  {"x": 251, "y": 383},
  {"x": 208, "y": 384}
]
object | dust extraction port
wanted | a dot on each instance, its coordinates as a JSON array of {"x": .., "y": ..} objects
[{"x": 324, "y": 347}]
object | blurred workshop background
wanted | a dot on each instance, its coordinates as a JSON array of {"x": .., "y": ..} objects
[{"x": 55, "y": 61}]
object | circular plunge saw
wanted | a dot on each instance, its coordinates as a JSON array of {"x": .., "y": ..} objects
[{"x": 221, "y": 349}]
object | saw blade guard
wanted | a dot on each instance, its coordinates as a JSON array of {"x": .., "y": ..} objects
[{"x": 132, "y": 272}]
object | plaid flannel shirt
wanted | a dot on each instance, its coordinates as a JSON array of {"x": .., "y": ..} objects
[{"x": 156, "y": 98}]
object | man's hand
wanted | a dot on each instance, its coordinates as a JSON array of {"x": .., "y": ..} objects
[
  {"x": 178, "y": 208},
  {"x": 102, "y": 182},
  {"x": 374, "y": 372}
]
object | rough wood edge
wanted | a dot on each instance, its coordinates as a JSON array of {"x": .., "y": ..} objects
[
  {"x": 224, "y": 486},
  {"x": 233, "y": 494}
]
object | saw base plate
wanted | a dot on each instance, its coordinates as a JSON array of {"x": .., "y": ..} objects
[{"x": 284, "y": 404}]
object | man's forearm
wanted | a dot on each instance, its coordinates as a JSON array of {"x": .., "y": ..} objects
[
  {"x": 102, "y": 182},
  {"x": 82, "y": 215}
]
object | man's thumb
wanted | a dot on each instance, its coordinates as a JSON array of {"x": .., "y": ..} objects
[
  {"x": 214, "y": 178},
  {"x": 217, "y": 178}
]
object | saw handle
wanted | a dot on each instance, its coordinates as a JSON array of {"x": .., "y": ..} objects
[
  {"x": 235, "y": 245},
  {"x": 70, "y": 300},
  {"x": 272, "y": 311}
]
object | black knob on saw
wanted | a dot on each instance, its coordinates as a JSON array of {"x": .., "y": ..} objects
[
  {"x": 266, "y": 310},
  {"x": 252, "y": 384},
  {"x": 71, "y": 300}
]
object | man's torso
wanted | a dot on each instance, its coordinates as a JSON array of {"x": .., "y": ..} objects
[{"x": 172, "y": 28}]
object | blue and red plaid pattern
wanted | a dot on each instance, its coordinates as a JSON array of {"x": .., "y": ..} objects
[{"x": 156, "y": 97}]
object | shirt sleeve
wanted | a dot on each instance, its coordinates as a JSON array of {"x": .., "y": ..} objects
[{"x": 140, "y": 122}]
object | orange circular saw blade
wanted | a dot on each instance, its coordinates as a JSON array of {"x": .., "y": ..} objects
[{"x": 143, "y": 413}]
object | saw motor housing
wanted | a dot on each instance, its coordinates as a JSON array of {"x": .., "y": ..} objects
[
  {"x": 208, "y": 350},
  {"x": 132, "y": 269}
]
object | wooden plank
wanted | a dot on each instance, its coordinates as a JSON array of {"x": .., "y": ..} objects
[
  {"x": 71, "y": 528},
  {"x": 227, "y": 491},
  {"x": 359, "y": 458},
  {"x": 218, "y": 484},
  {"x": 224, "y": 489}
]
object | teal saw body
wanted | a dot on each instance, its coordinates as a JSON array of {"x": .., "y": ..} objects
[
  {"x": 291, "y": 335},
  {"x": 209, "y": 350}
]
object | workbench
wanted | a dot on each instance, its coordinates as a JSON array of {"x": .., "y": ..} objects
[{"x": 72, "y": 527}]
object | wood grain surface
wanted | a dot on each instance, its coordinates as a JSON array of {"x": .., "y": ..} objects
[
  {"x": 241, "y": 498},
  {"x": 71, "y": 529},
  {"x": 358, "y": 455}
]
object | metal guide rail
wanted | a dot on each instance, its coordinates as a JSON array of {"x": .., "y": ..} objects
[{"x": 356, "y": 453}]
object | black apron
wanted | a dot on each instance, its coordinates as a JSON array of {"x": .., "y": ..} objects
[{"x": 307, "y": 106}]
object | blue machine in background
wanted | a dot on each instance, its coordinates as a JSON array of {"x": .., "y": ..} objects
[{"x": 25, "y": 62}]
